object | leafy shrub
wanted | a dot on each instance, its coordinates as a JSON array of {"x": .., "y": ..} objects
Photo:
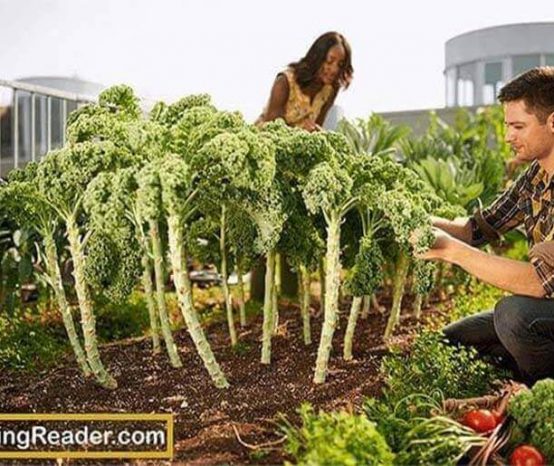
[
  {"x": 533, "y": 412},
  {"x": 336, "y": 438},
  {"x": 434, "y": 365},
  {"x": 437, "y": 440},
  {"x": 28, "y": 344},
  {"x": 117, "y": 321},
  {"x": 395, "y": 419}
]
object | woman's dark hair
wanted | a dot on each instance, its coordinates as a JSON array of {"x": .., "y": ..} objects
[
  {"x": 307, "y": 68},
  {"x": 536, "y": 88}
]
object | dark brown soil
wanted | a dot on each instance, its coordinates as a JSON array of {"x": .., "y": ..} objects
[{"x": 204, "y": 416}]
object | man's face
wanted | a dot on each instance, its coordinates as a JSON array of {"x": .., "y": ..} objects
[{"x": 530, "y": 139}]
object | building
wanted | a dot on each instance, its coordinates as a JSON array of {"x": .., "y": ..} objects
[
  {"x": 33, "y": 112},
  {"x": 478, "y": 63}
]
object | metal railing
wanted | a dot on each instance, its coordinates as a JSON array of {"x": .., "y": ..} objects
[{"x": 13, "y": 116}]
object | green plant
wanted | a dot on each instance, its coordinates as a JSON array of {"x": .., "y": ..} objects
[
  {"x": 394, "y": 418},
  {"x": 336, "y": 438},
  {"x": 122, "y": 320},
  {"x": 27, "y": 343},
  {"x": 434, "y": 365},
  {"x": 533, "y": 414}
]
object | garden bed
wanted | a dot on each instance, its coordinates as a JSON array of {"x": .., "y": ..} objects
[{"x": 204, "y": 415}]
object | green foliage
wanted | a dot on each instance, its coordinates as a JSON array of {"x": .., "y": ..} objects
[
  {"x": 394, "y": 419},
  {"x": 120, "y": 99},
  {"x": 372, "y": 136},
  {"x": 170, "y": 115},
  {"x": 336, "y": 438},
  {"x": 462, "y": 162},
  {"x": 479, "y": 297},
  {"x": 366, "y": 274},
  {"x": 328, "y": 188},
  {"x": 423, "y": 276},
  {"x": 434, "y": 365},
  {"x": 437, "y": 440},
  {"x": 533, "y": 413},
  {"x": 28, "y": 343},
  {"x": 417, "y": 431},
  {"x": 407, "y": 217},
  {"x": 122, "y": 320},
  {"x": 112, "y": 266}
]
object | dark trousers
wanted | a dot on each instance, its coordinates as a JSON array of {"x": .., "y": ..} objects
[{"x": 518, "y": 333}]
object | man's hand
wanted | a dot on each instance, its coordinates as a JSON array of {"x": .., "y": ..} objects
[{"x": 442, "y": 245}]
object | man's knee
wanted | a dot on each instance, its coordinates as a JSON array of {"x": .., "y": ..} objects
[
  {"x": 474, "y": 330},
  {"x": 510, "y": 318}
]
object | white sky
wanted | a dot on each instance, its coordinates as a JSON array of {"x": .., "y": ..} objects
[{"x": 233, "y": 49}]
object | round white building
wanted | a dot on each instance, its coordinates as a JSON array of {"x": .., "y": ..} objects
[{"x": 478, "y": 63}]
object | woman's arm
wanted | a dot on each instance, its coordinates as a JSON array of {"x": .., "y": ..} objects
[
  {"x": 325, "y": 109},
  {"x": 277, "y": 100}
]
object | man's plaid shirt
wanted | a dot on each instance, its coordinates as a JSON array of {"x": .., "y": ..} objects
[{"x": 528, "y": 201}]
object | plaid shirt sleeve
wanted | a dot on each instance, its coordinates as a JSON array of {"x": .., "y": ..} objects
[
  {"x": 542, "y": 259},
  {"x": 502, "y": 215}
]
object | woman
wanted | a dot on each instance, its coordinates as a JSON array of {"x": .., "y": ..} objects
[{"x": 303, "y": 93}]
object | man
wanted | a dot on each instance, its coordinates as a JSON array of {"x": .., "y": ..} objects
[{"x": 520, "y": 330}]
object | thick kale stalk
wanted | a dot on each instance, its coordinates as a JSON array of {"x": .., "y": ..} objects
[
  {"x": 351, "y": 327},
  {"x": 149, "y": 210},
  {"x": 401, "y": 273},
  {"x": 321, "y": 275},
  {"x": 411, "y": 224},
  {"x": 57, "y": 284},
  {"x": 177, "y": 197},
  {"x": 276, "y": 292},
  {"x": 27, "y": 207},
  {"x": 225, "y": 278},
  {"x": 157, "y": 253},
  {"x": 147, "y": 284},
  {"x": 268, "y": 307},
  {"x": 242, "y": 296},
  {"x": 332, "y": 284},
  {"x": 183, "y": 289},
  {"x": 366, "y": 306},
  {"x": 88, "y": 320},
  {"x": 422, "y": 283},
  {"x": 304, "y": 291},
  {"x": 150, "y": 302},
  {"x": 331, "y": 189},
  {"x": 361, "y": 280}
]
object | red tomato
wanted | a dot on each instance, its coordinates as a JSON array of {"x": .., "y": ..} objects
[
  {"x": 526, "y": 455},
  {"x": 480, "y": 420}
]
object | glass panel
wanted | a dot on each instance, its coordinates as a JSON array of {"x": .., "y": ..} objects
[
  {"x": 41, "y": 122},
  {"x": 57, "y": 127},
  {"x": 24, "y": 118},
  {"x": 493, "y": 82},
  {"x": 493, "y": 72},
  {"x": 451, "y": 87},
  {"x": 549, "y": 59},
  {"x": 466, "y": 79},
  {"x": 522, "y": 63},
  {"x": 6, "y": 146}
]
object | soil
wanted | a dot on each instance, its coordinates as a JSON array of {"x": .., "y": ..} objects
[{"x": 209, "y": 421}]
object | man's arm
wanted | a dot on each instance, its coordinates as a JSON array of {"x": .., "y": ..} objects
[
  {"x": 459, "y": 228},
  {"x": 507, "y": 274}
]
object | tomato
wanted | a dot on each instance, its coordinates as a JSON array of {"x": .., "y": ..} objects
[
  {"x": 480, "y": 420},
  {"x": 526, "y": 455}
]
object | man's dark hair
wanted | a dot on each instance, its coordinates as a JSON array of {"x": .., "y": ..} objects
[
  {"x": 307, "y": 68},
  {"x": 536, "y": 88}
]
